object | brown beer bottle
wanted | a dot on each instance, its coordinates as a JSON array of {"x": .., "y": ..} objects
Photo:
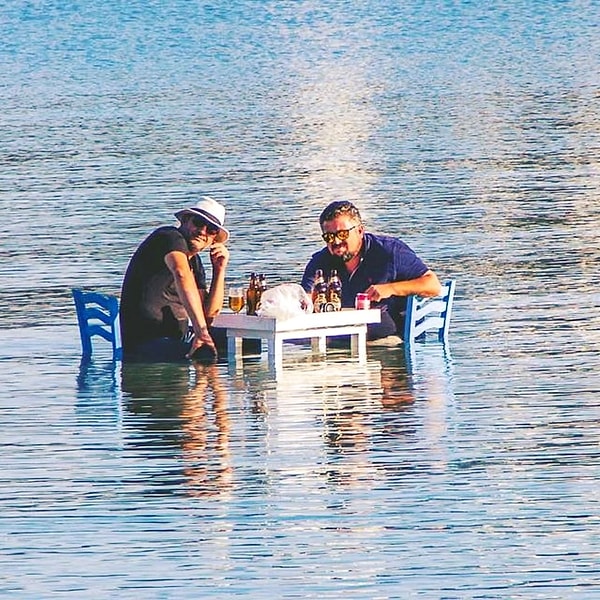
[
  {"x": 261, "y": 286},
  {"x": 334, "y": 291},
  {"x": 252, "y": 295},
  {"x": 319, "y": 291}
]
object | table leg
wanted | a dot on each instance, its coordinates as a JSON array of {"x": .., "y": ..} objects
[
  {"x": 234, "y": 349},
  {"x": 275, "y": 352},
  {"x": 319, "y": 344},
  {"x": 358, "y": 345},
  {"x": 354, "y": 344},
  {"x": 362, "y": 346}
]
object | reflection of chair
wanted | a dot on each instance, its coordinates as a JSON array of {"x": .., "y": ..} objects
[
  {"x": 99, "y": 395},
  {"x": 429, "y": 314},
  {"x": 97, "y": 315}
]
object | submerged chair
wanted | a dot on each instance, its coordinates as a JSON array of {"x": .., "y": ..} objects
[
  {"x": 429, "y": 314},
  {"x": 98, "y": 315}
]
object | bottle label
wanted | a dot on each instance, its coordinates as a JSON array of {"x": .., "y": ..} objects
[
  {"x": 319, "y": 303},
  {"x": 335, "y": 300}
]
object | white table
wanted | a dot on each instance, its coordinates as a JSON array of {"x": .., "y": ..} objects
[{"x": 315, "y": 326}]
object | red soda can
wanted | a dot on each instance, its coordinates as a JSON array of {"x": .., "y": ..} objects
[{"x": 361, "y": 302}]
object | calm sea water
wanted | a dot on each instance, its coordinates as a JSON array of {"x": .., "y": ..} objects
[{"x": 471, "y": 131}]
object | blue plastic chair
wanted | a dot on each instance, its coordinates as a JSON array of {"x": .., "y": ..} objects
[
  {"x": 98, "y": 315},
  {"x": 424, "y": 315}
]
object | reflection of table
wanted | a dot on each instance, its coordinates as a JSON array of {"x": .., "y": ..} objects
[{"x": 315, "y": 326}]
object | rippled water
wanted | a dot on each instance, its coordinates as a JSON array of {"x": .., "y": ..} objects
[{"x": 469, "y": 130}]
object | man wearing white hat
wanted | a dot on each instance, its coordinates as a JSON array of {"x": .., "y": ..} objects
[{"x": 165, "y": 288}]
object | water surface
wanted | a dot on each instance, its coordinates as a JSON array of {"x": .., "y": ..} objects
[{"x": 470, "y": 131}]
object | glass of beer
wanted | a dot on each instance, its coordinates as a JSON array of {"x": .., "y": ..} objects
[{"x": 236, "y": 299}]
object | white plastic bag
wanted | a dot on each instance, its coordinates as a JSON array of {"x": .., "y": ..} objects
[{"x": 285, "y": 301}]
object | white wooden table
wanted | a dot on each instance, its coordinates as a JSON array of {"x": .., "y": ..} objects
[{"x": 315, "y": 326}]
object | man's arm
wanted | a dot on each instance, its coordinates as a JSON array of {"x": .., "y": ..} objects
[
  {"x": 188, "y": 293},
  {"x": 219, "y": 257},
  {"x": 427, "y": 285}
]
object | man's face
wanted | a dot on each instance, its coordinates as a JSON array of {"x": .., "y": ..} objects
[
  {"x": 199, "y": 233},
  {"x": 348, "y": 238}
]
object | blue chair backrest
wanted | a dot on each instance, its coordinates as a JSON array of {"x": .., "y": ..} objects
[
  {"x": 429, "y": 314},
  {"x": 98, "y": 315}
]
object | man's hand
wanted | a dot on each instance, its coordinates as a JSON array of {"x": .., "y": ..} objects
[
  {"x": 427, "y": 285},
  {"x": 203, "y": 339},
  {"x": 219, "y": 256},
  {"x": 379, "y": 292}
]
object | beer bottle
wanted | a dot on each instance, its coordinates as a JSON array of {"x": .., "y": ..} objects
[
  {"x": 261, "y": 286},
  {"x": 334, "y": 290},
  {"x": 252, "y": 295},
  {"x": 319, "y": 291}
]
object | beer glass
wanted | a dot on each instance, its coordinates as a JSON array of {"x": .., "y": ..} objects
[{"x": 236, "y": 299}]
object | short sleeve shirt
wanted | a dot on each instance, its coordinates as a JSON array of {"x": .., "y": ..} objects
[
  {"x": 384, "y": 259},
  {"x": 150, "y": 305}
]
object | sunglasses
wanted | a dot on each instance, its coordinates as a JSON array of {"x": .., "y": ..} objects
[
  {"x": 199, "y": 222},
  {"x": 342, "y": 235}
]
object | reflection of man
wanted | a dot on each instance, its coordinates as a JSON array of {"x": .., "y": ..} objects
[
  {"x": 207, "y": 473},
  {"x": 192, "y": 416},
  {"x": 396, "y": 390},
  {"x": 383, "y": 267},
  {"x": 397, "y": 387},
  {"x": 165, "y": 287}
]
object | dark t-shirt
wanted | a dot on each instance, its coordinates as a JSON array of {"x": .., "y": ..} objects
[
  {"x": 384, "y": 259},
  {"x": 150, "y": 306}
]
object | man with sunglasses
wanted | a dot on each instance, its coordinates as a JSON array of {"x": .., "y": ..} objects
[
  {"x": 165, "y": 288},
  {"x": 382, "y": 266}
]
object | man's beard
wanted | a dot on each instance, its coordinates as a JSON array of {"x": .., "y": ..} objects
[{"x": 345, "y": 257}]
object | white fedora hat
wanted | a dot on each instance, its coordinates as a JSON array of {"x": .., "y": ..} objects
[{"x": 212, "y": 211}]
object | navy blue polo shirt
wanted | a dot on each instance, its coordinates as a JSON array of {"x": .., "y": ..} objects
[{"x": 384, "y": 259}]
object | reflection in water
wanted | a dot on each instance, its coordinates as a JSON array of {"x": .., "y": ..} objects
[
  {"x": 396, "y": 382},
  {"x": 356, "y": 416},
  {"x": 332, "y": 113},
  {"x": 182, "y": 407},
  {"x": 98, "y": 393},
  {"x": 366, "y": 439},
  {"x": 432, "y": 374},
  {"x": 208, "y": 470},
  {"x": 314, "y": 407},
  {"x": 95, "y": 379}
]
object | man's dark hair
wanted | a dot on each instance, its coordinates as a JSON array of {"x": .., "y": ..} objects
[{"x": 337, "y": 208}]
